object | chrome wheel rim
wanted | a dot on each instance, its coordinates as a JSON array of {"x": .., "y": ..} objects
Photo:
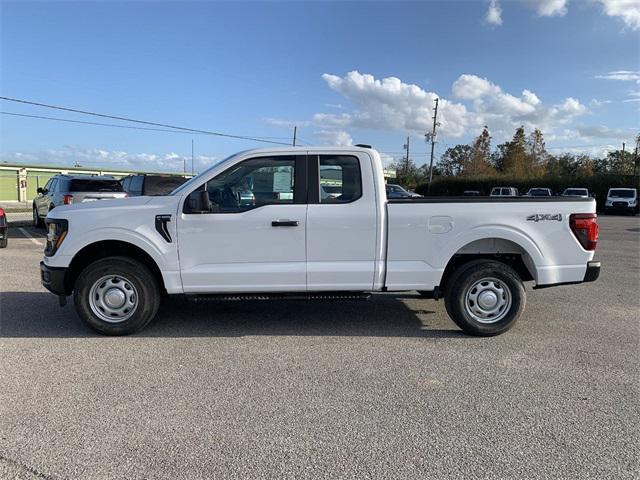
[
  {"x": 113, "y": 298},
  {"x": 488, "y": 300}
]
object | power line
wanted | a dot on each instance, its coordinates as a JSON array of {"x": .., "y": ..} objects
[
  {"x": 58, "y": 119},
  {"x": 115, "y": 125},
  {"x": 144, "y": 122}
]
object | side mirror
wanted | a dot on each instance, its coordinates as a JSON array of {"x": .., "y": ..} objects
[
  {"x": 40, "y": 190},
  {"x": 198, "y": 202}
]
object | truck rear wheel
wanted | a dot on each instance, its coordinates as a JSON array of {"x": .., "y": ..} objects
[
  {"x": 116, "y": 295},
  {"x": 485, "y": 297}
]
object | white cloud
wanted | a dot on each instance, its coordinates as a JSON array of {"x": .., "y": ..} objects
[
  {"x": 503, "y": 111},
  {"x": 627, "y": 10},
  {"x": 494, "y": 13},
  {"x": 622, "y": 75},
  {"x": 334, "y": 137},
  {"x": 594, "y": 151},
  {"x": 472, "y": 87},
  {"x": 278, "y": 122},
  {"x": 548, "y": 8},
  {"x": 598, "y": 103},
  {"x": 70, "y": 155},
  {"x": 589, "y": 132},
  {"x": 389, "y": 104}
]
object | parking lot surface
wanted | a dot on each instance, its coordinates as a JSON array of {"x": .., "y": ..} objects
[{"x": 387, "y": 388}]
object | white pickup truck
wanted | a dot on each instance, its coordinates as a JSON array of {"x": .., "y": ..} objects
[{"x": 313, "y": 223}]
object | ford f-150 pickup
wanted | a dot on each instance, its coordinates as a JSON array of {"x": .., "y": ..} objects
[{"x": 313, "y": 223}]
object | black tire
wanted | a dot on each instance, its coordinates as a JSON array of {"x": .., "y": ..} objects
[
  {"x": 37, "y": 221},
  {"x": 3, "y": 243},
  {"x": 496, "y": 279},
  {"x": 134, "y": 275}
]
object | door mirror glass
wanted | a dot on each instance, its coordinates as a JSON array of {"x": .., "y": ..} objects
[{"x": 199, "y": 202}]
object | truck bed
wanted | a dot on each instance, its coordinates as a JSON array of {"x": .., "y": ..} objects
[{"x": 424, "y": 233}]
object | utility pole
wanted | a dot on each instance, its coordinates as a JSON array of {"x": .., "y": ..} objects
[
  {"x": 192, "y": 170},
  {"x": 295, "y": 131},
  {"x": 432, "y": 137},
  {"x": 406, "y": 147}
]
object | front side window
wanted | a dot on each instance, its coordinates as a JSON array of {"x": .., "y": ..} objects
[
  {"x": 253, "y": 183},
  {"x": 340, "y": 180}
]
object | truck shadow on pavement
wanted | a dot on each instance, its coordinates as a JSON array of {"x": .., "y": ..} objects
[{"x": 37, "y": 314}]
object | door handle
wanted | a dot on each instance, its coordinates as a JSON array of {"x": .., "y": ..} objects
[{"x": 284, "y": 223}]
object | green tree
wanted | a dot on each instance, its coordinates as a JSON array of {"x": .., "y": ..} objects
[
  {"x": 498, "y": 157},
  {"x": 618, "y": 162},
  {"x": 516, "y": 162},
  {"x": 407, "y": 173},
  {"x": 479, "y": 162},
  {"x": 454, "y": 159},
  {"x": 537, "y": 153}
]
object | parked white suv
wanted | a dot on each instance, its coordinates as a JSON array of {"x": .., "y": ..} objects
[
  {"x": 117, "y": 257},
  {"x": 504, "y": 192},
  {"x": 622, "y": 200}
]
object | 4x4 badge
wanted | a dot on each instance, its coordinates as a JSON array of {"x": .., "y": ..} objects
[{"x": 541, "y": 217}]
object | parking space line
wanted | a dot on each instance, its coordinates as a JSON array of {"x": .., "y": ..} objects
[{"x": 33, "y": 240}]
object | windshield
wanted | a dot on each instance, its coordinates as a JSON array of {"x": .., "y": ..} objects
[
  {"x": 576, "y": 191},
  {"x": 396, "y": 189},
  {"x": 197, "y": 177},
  {"x": 622, "y": 193},
  {"x": 539, "y": 191}
]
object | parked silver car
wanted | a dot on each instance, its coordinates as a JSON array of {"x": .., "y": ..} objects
[{"x": 68, "y": 189}]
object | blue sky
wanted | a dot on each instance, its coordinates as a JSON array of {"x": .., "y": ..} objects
[{"x": 361, "y": 72}]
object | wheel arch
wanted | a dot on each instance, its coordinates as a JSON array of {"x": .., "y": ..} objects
[
  {"x": 499, "y": 249},
  {"x": 108, "y": 248}
]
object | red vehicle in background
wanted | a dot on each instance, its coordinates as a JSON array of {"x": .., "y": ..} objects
[{"x": 3, "y": 229}]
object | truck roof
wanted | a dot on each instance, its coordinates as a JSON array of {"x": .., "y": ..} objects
[{"x": 304, "y": 149}]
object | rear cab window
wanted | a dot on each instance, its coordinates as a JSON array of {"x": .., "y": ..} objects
[
  {"x": 95, "y": 185},
  {"x": 340, "y": 179}
]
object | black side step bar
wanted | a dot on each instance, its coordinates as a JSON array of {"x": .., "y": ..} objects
[{"x": 279, "y": 296}]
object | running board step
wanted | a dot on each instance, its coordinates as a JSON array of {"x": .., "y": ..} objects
[{"x": 279, "y": 296}]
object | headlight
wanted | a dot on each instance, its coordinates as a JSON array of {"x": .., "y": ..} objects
[{"x": 57, "y": 229}]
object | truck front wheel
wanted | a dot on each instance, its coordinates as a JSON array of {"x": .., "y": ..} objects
[
  {"x": 116, "y": 295},
  {"x": 485, "y": 297}
]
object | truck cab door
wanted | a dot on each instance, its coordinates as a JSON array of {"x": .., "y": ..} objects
[
  {"x": 253, "y": 238},
  {"x": 341, "y": 223}
]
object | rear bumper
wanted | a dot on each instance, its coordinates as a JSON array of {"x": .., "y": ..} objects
[
  {"x": 53, "y": 279},
  {"x": 591, "y": 274}
]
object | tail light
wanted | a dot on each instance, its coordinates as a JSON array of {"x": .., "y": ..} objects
[
  {"x": 67, "y": 199},
  {"x": 585, "y": 227}
]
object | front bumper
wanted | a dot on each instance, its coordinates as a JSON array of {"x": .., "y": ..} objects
[
  {"x": 53, "y": 279},
  {"x": 620, "y": 207}
]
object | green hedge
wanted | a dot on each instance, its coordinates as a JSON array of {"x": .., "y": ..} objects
[{"x": 597, "y": 184}]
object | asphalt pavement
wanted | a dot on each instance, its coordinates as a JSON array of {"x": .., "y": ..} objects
[{"x": 387, "y": 388}]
